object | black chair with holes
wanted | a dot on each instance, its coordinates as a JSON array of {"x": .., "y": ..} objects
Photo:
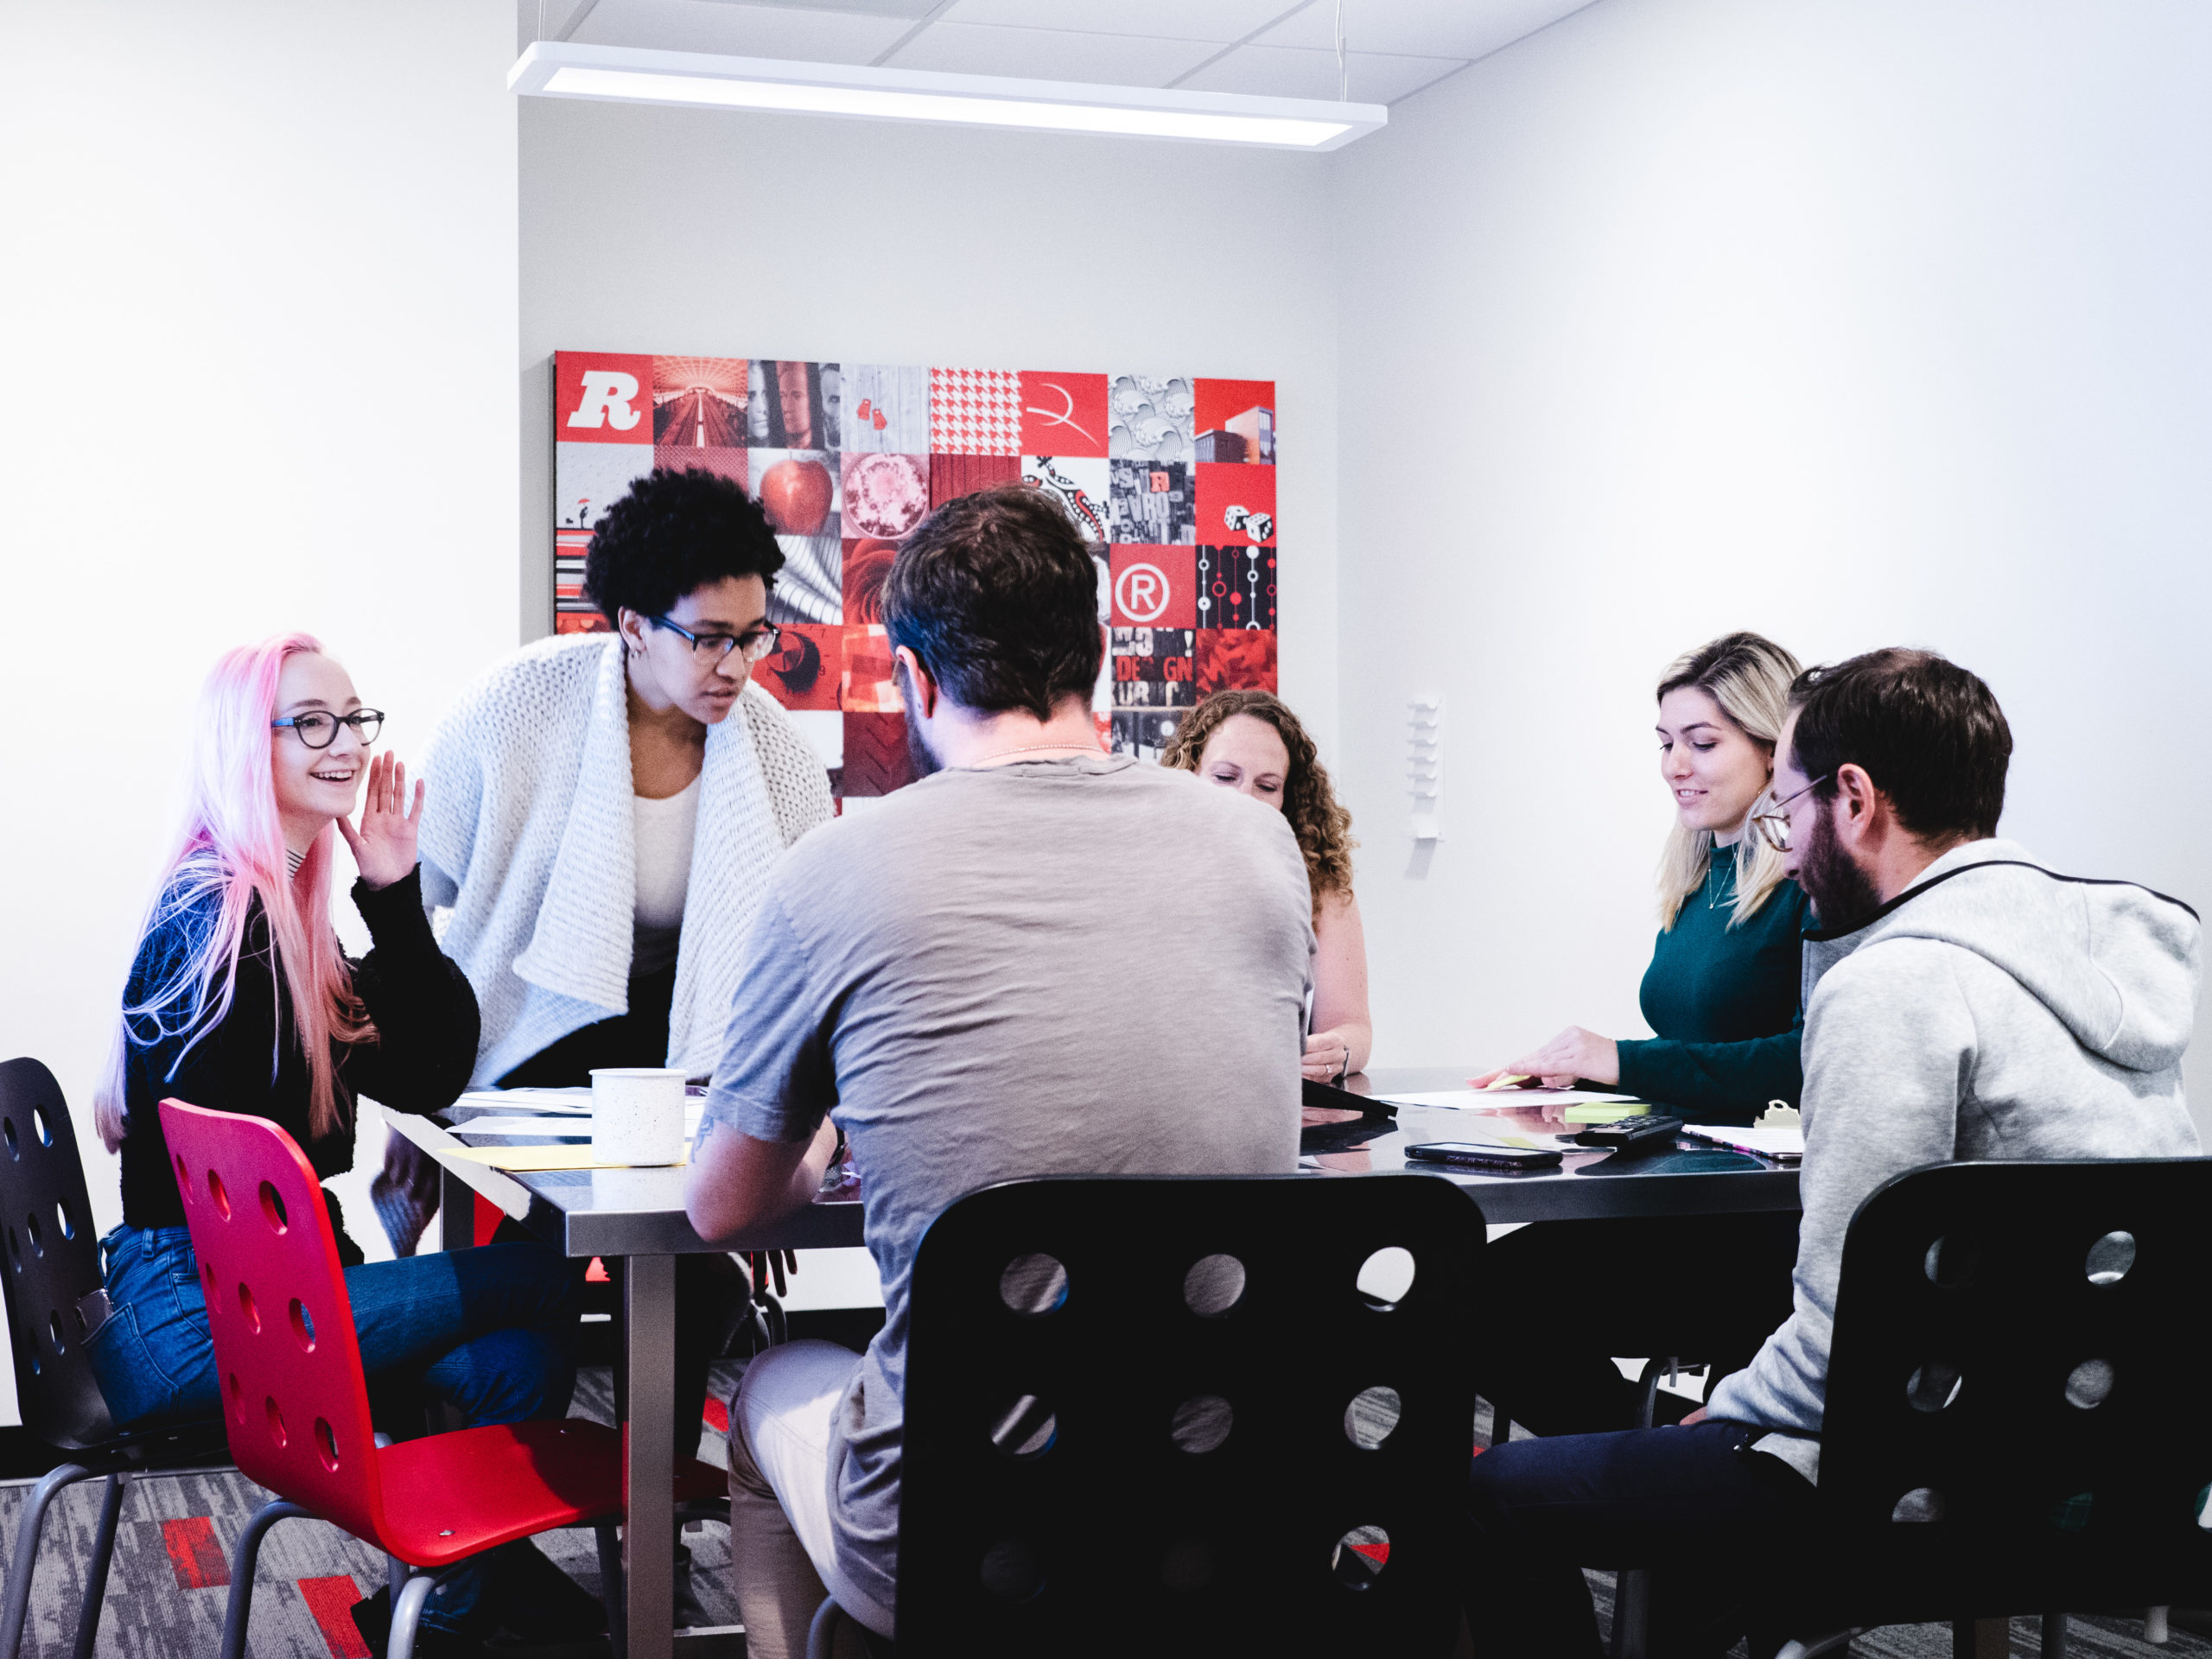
[
  {"x": 1188, "y": 1415},
  {"x": 53, "y": 1261},
  {"x": 2015, "y": 1418}
]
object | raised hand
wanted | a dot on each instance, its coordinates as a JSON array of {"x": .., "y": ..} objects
[{"x": 383, "y": 845}]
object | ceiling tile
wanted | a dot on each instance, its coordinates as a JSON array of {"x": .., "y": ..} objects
[
  {"x": 1285, "y": 71},
  {"x": 1436, "y": 28},
  {"x": 740, "y": 31},
  {"x": 1219, "y": 21},
  {"x": 1049, "y": 54}
]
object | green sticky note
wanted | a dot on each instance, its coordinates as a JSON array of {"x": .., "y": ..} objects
[{"x": 1605, "y": 1114}]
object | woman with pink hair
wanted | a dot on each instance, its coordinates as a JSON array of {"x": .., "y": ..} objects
[{"x": 240, "y": 1000}]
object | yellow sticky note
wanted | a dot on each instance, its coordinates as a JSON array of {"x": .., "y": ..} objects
[{"x": 540, "y": 1160}]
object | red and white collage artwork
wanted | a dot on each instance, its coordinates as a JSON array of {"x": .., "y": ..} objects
[{"x": 1172, "y": 477}]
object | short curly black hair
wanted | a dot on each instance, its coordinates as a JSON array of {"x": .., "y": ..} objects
[{"x": 674, "y": 532}]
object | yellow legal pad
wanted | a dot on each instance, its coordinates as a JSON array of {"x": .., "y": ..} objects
[{"x": 538, "y": 1159}]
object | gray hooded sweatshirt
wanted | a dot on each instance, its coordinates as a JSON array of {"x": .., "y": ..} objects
[{"x": 1993, "y": 1010}]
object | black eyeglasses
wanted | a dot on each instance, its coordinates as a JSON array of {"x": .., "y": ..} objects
[
  {"x": 1773, "y": 825},
  {"x": 757, "y": 642},
  {"x": 320, "y": 731}
]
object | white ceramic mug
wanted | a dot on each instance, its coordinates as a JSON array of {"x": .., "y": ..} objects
[{"x": 637, "y": 1115}]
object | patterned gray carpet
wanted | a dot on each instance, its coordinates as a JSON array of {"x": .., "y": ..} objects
[
  {"x": 167, "y": 1588},
  {"x": 171, "y": 1579}
]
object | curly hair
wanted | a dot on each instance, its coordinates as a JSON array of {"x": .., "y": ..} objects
[
  {"x": 672, "y": 533},
  {"x": 1322, "y": 826}
]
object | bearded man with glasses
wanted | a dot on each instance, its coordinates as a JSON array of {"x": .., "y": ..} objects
[{"x": 1963, "y": 1001}]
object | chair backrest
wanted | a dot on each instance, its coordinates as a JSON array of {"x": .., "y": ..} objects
[
  {"x": 1189, "y": 1414},
  {"x": 2019, "y": 1358},
  {"x": 53, "y": 1259},
  {"x": 295, "y": 1405}
]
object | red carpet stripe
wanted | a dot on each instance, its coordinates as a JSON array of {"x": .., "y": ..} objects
[
  {"x": 198, "y": 1559},
  {"x": 331, "y": 1601},
  {"x": 488, "y": 1215},
  {"x": 717, "y": 1415}
]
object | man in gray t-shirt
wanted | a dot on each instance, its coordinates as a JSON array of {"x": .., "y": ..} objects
[{"x": 1041, "y": 960}]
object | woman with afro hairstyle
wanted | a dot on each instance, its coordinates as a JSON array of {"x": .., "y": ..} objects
[
  {"x": 605, "y": 812},
  {"x": 1249, "y": 741}
]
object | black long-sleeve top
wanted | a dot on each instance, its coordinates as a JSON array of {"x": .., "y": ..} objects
[{"x": 425, "y": 1047}]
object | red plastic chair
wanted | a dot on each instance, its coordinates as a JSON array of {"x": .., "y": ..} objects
[{"x": 296, "y": 1405}]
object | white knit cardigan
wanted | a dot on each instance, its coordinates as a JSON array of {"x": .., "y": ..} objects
[{"x": 527, "y": 841}]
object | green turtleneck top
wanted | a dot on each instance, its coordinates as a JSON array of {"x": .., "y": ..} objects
[{"x": 1725, "y": 1003}]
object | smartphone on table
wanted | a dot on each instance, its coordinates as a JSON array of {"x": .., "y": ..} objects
[{"x": 1482, "y": 1155}]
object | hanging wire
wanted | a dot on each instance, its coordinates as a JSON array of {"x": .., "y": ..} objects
[{"x": 1344, "y": 75}]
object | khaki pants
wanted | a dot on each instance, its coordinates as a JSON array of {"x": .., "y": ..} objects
[{"x": 782, "y": 1557}]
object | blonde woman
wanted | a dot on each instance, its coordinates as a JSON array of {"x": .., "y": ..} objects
[
  {"x": 1249, "y": 741},
  {"x": 1722, "y": 989},
  {"x": 1722, "y": 994}
]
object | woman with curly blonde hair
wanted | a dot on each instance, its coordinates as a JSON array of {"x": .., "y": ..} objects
[{"x": 1249, "y": 741}]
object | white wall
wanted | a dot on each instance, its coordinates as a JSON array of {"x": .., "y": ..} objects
[
  {"x": 1860, "y": 322},
  {"x": 260, "y": 288},
  {"x": 720, "y": 233}
]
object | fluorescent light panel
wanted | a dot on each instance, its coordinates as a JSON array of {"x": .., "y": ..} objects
[{"x": 564, "y": 69}]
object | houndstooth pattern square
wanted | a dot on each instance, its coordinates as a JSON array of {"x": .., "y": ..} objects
[{"x": 975, "y": 411}]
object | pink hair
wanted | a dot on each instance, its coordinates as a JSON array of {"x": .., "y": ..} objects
[{"x": 231, "y": 844}]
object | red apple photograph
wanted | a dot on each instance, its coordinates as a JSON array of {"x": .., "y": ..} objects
[{"x": 798, "y": 489}]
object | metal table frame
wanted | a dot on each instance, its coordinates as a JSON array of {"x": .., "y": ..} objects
[{"x": 637, "y": 1214}]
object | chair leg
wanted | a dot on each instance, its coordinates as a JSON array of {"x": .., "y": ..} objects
[
  {"x": 2155, "y": 1629},
  {"x": 610, "y": 1585},
  {"x": 88, "y": 1612},
  {"x": 243, "y": 1556},
  {"x": 822, "y": 1635},
  {"x": 2054, "y": 1636},
  {"x": 28, "y": 1533},
  {"x": 407, "y": 1614},
  {"x": 1632, "y": 1588}
]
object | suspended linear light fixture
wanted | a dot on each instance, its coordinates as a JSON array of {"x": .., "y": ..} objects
[{"x": 634, "y": 75}]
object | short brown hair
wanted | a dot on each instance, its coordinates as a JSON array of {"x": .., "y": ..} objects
[
  {"x": 998, "y": 596},
  {"x": 1927, "y": 732},
  {"x": 1322, "y": 826}
]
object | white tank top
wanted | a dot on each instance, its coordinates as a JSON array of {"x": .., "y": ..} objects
[{"x": 664, "y": 837}]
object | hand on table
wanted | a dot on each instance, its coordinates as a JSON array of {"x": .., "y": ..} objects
[
  {"x": 384, "y": 847},
  {"x": 1325, "y": 1056},
  {"x": 1569, "y": 1057}
]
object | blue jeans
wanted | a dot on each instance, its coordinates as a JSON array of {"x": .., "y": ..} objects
[
  {"x": 1697, "y": 1506},
  {"x": 492, "y": 1331}
]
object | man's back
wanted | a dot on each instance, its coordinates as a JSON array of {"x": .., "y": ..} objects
[{"x": 1069, "y": 966}]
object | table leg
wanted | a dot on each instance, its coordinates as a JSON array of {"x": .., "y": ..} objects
[
  {"x": 649, "y": 1327},
  {"x": 456, "y": 1211}
]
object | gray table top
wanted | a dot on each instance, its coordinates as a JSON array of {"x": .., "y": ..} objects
[{"x": 640, "y": 1212}]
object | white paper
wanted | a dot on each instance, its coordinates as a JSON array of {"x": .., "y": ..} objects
[
  {"x": 565, "y": 1125},
  {"x": 1491, "y": 1100},
  {"x": 575, "y": 1101},
  {"x": 1784, "y": 1140}
]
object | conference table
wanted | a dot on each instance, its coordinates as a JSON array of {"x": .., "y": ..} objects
[{"x": 639, "y": 1214}]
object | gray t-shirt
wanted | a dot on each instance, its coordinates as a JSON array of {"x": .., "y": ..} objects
[{"x": 1082, "y": 966}]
